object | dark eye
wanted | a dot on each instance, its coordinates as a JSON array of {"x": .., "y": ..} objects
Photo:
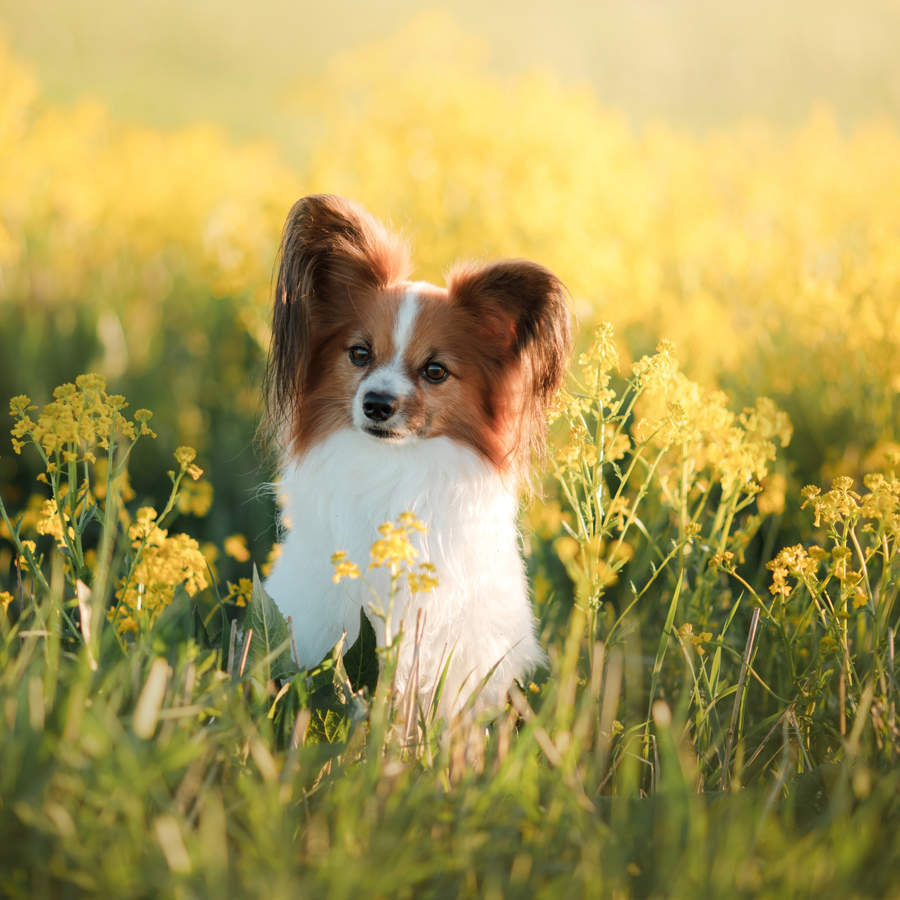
[
  {"x": 435, "y": 372},
  {"x": 360, "y": 355}
]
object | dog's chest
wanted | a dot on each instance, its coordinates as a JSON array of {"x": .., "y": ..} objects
[{"x": 344, "y": 488}]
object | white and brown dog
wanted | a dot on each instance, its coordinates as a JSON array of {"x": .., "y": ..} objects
[{"x": 390, "y": 395}]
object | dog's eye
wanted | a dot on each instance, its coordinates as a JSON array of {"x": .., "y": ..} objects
[
  {"x": 360, "y": 355},
  {"x": 435, "y": 372}
]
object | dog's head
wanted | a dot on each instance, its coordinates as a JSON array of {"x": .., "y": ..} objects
[{"x": 357, "y": 345}]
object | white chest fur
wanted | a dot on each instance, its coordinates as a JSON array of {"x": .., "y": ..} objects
[{"x": 479, "y": 616}]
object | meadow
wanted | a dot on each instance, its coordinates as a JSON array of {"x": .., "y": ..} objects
[{"x": 713, "y": 546}]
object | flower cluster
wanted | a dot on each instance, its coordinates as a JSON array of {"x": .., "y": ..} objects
[
  {"x": 696, "y": 423},
  {"x": 343, "y": 567},
  {"x": 185, "y": 457},
  {"x": 395, "y": 552},
  {"x": 879, "y": 507},
  {"x": 858, "y": 567},
  {"x": 240, "y": 592},
  {"x": 164, "y": 561},
  {"x": 56, "y": 523},
  {"x": 81, "y": 417},
  {"x": 796, "y": 561},
  {"x": 394, "y": 548},
  {"x": 687, "y": 635}
]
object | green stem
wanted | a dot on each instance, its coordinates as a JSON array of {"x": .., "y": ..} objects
[{"x": 22, "y": 550}]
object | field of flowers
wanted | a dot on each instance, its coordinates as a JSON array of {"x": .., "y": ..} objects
[{"x": 714, "y": 552}]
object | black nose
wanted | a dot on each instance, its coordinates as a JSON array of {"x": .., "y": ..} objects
[{"x": 379, "y": 407}]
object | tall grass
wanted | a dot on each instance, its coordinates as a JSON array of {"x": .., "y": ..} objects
[{"x": 160, "y": 740}]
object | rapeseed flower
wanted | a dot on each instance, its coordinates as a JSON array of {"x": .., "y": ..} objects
[
  {"x": 395, "y": 552},
  {"x": 185, "y": 457},
  {"x": 343, "y": 568},
  {"x": 236, "y": 548},
  {"x": 163, "y": 562},
  {"x": 81, "y": 418}
]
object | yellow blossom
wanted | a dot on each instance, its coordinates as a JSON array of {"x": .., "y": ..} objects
[
  {"x": 195, "y": 497},
  {"x": 185, "y": 457},
  {"x": 81, "y": 417},
  {"x": 794, "y": 561},
  {"x": 687, "y": 636},
  {"x": 236, "y": 547},
  {"x": 142, "y": 417},
  {"x": 394, "y": 547},
  {"x": 165, "y": 561},
  {"x": 54, "y": 523},
  {"x": 343, "y": 568},
  {"x": 239, "y": 594},
  {"x": 22, "y": 559},
  {"x": 422, "y": 579}
]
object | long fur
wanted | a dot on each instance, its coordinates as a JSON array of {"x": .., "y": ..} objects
[
  {"x": 478, "y": 616},
  {"x": 349, "y": 331}
]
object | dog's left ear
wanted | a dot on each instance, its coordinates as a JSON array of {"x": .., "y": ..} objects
[
  {"x": 520, "y": 308},
  {"x": 332, "y": 252}
]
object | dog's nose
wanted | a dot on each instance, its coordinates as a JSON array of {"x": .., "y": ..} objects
[{"x": 379, "y": 407}]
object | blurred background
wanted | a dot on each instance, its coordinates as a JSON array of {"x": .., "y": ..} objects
[
  {"x": 722, "y": 175},
  {"x": 689, "y": 62}
]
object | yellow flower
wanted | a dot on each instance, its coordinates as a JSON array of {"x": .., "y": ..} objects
[
  {"x": 144, "y": 525},
  {"x": 343, "y": 568},
  {"x": 54, "y": 523},
  {"x": 142, "y": 417},
  {"x": 723, "y": 560},
  {"x": 394, "y": 551},
  {"x": 165, "y": 562},
  {"x": 5, "y": 599},
  {"x": 81, "y": 417},
  {"x": 795, "y": 561},
  {"x": 239, "y": 594},
  {"x": 599, "y": 359},
  {"x": 394, "y": 547},
  {"x": 836, "y": 505},
  {"x": 185, "y": 457},
  {"x": 22, "y": 559},
  {"x": 408, "y": 520},
  {"x": 422, "y": 580},
  {"x": 566, "y": 548},
  {"x": 18, "y": 406},
  {"x": 236, "y": 548},
  {"x": 195, "y": 497},
  {"x": 687, "y": 636}
]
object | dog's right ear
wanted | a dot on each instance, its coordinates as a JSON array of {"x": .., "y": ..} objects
[{"x": 330, "y": 249}]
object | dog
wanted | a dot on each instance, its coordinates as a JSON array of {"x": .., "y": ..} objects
[{"x": 390, "y": 395}]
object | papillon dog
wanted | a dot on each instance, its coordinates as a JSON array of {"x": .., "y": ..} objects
[{"x": 390, "y": 395}]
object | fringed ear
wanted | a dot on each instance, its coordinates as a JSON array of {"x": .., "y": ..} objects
[
  {"x": 330, "y": 250},
  {"x": 518, "y": 313},
  {"x": 520, "y": 308}
]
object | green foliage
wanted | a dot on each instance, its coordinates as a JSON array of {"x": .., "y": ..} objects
[
  {"x": 269, "y": 650},
  {"x": 655, "y": 758}
]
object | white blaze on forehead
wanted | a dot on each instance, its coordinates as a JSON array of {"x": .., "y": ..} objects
[
  {"x": 403, "y": 324},
  {"x": 391, "y": 377}
]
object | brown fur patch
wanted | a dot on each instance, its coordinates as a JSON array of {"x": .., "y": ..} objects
[{"x": 333, "y": 256}]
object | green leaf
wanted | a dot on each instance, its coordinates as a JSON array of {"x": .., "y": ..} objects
[
  {"x": 361, "y": 660},
  {"x": 269, "y": 654}
]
